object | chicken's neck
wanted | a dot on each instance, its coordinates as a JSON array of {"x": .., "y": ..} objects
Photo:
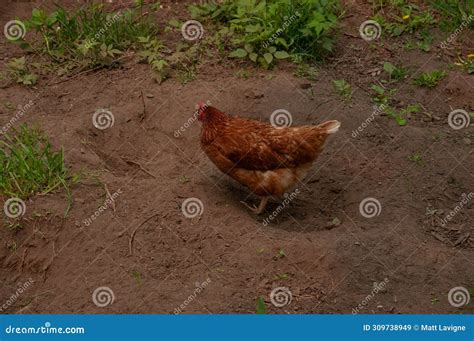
[{"x": 210, "y": 128}]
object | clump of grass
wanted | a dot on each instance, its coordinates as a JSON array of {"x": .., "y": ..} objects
[
  {"x": 400, "y": 17},
  {"x": 90, "y": 37},
  {"x": 20, "y": 72},
  {"x": 343, "y": 89},
  {"x": 29, "y": 165},
  {"x": 265, "y": 32},
  {"x": 453, "y": 13},
  {"x": 395, "y": 73},
  {"x": 430, "y": 79}
]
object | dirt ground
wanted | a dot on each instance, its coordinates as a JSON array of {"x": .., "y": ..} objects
[{"x": 330, "y": 266}]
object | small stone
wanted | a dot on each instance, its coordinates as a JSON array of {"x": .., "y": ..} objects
[
  {"x": 379, "y": 306},
  {"x": 357, "y": 243},
  {"x": 150, "y": 95},
  {"x": 466, "y": 140}
]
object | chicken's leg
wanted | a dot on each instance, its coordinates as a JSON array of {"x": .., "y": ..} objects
[{"x": 260, "y": 208}]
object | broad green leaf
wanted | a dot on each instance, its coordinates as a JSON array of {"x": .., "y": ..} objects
[
  {"x": 268, "y": 57},
  {"x": 239, "y": 53},
  {"x": 281, "y": 55}
]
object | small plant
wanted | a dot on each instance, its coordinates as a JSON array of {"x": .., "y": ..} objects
[
  {"x": 382, "y": 95},
  {"x": 19, "y": 72},
  {"x": 416, "y": 158},
  {"x": 261, "y": 308},
  {"x": 152, "y": 52},
  {"x": 400, "y": 116},
  {"x": 394, "y": 73},
  {"x": 343, "y": 89},
  {"x": 265, "y": 32},
  {"x": 88, "y": 37},
  {"x": 404, "y": 18},
  {"x": 306, "y": 71},
  {"x": 430, "y": 79},
  {"x": 28, "y": 164}
]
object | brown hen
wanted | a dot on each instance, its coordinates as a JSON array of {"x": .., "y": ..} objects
[{"x": 268, "y": 160}]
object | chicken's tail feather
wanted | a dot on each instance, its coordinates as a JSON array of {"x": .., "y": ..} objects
[{"x": 331, "y": 127}]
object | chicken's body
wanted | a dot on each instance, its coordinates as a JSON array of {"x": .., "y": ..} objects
[{"x": 268, "y": 160}]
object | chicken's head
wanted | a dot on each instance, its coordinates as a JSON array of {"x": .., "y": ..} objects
[{"x": 203, "y": 110}]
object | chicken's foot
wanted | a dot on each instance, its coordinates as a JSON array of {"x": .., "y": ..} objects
[{"x": 260, "y": 208}]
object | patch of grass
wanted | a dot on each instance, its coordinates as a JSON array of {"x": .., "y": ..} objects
[
  {"x": 343, "y": 89},
  {"x": 18, "y": 71},
  {"x": 400, "y": 17},
  {"x": 395, "y": 73},
  {"x": 453, "y": 13},
  {"x": 90, "y": 37},
  {"x": 29, "y": 165},
  {"x": 306, "y": 71},
  {"x": 265, "y": 32},
  {"x": 416, "y": 158},
  {"x": 382, "y": 95},
  {"x": 401, "y": 115},
  {"x": 430, "y": 79}
]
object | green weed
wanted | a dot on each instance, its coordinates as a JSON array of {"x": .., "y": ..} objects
[
  {"x": 430, "y": 79},
  {"x": 18, "y": 71},
  {"x": 264, "y": 32},
  {"x": 29, "y": 165},
  {"x": 343, "y": 89},
  {"x": 395, "y": 73}
]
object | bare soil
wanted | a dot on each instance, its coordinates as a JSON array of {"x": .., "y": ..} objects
[{"x": 328, "y": 267}]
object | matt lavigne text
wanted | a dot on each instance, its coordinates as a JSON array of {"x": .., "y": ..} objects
[{"x": 442, "y": 328}]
